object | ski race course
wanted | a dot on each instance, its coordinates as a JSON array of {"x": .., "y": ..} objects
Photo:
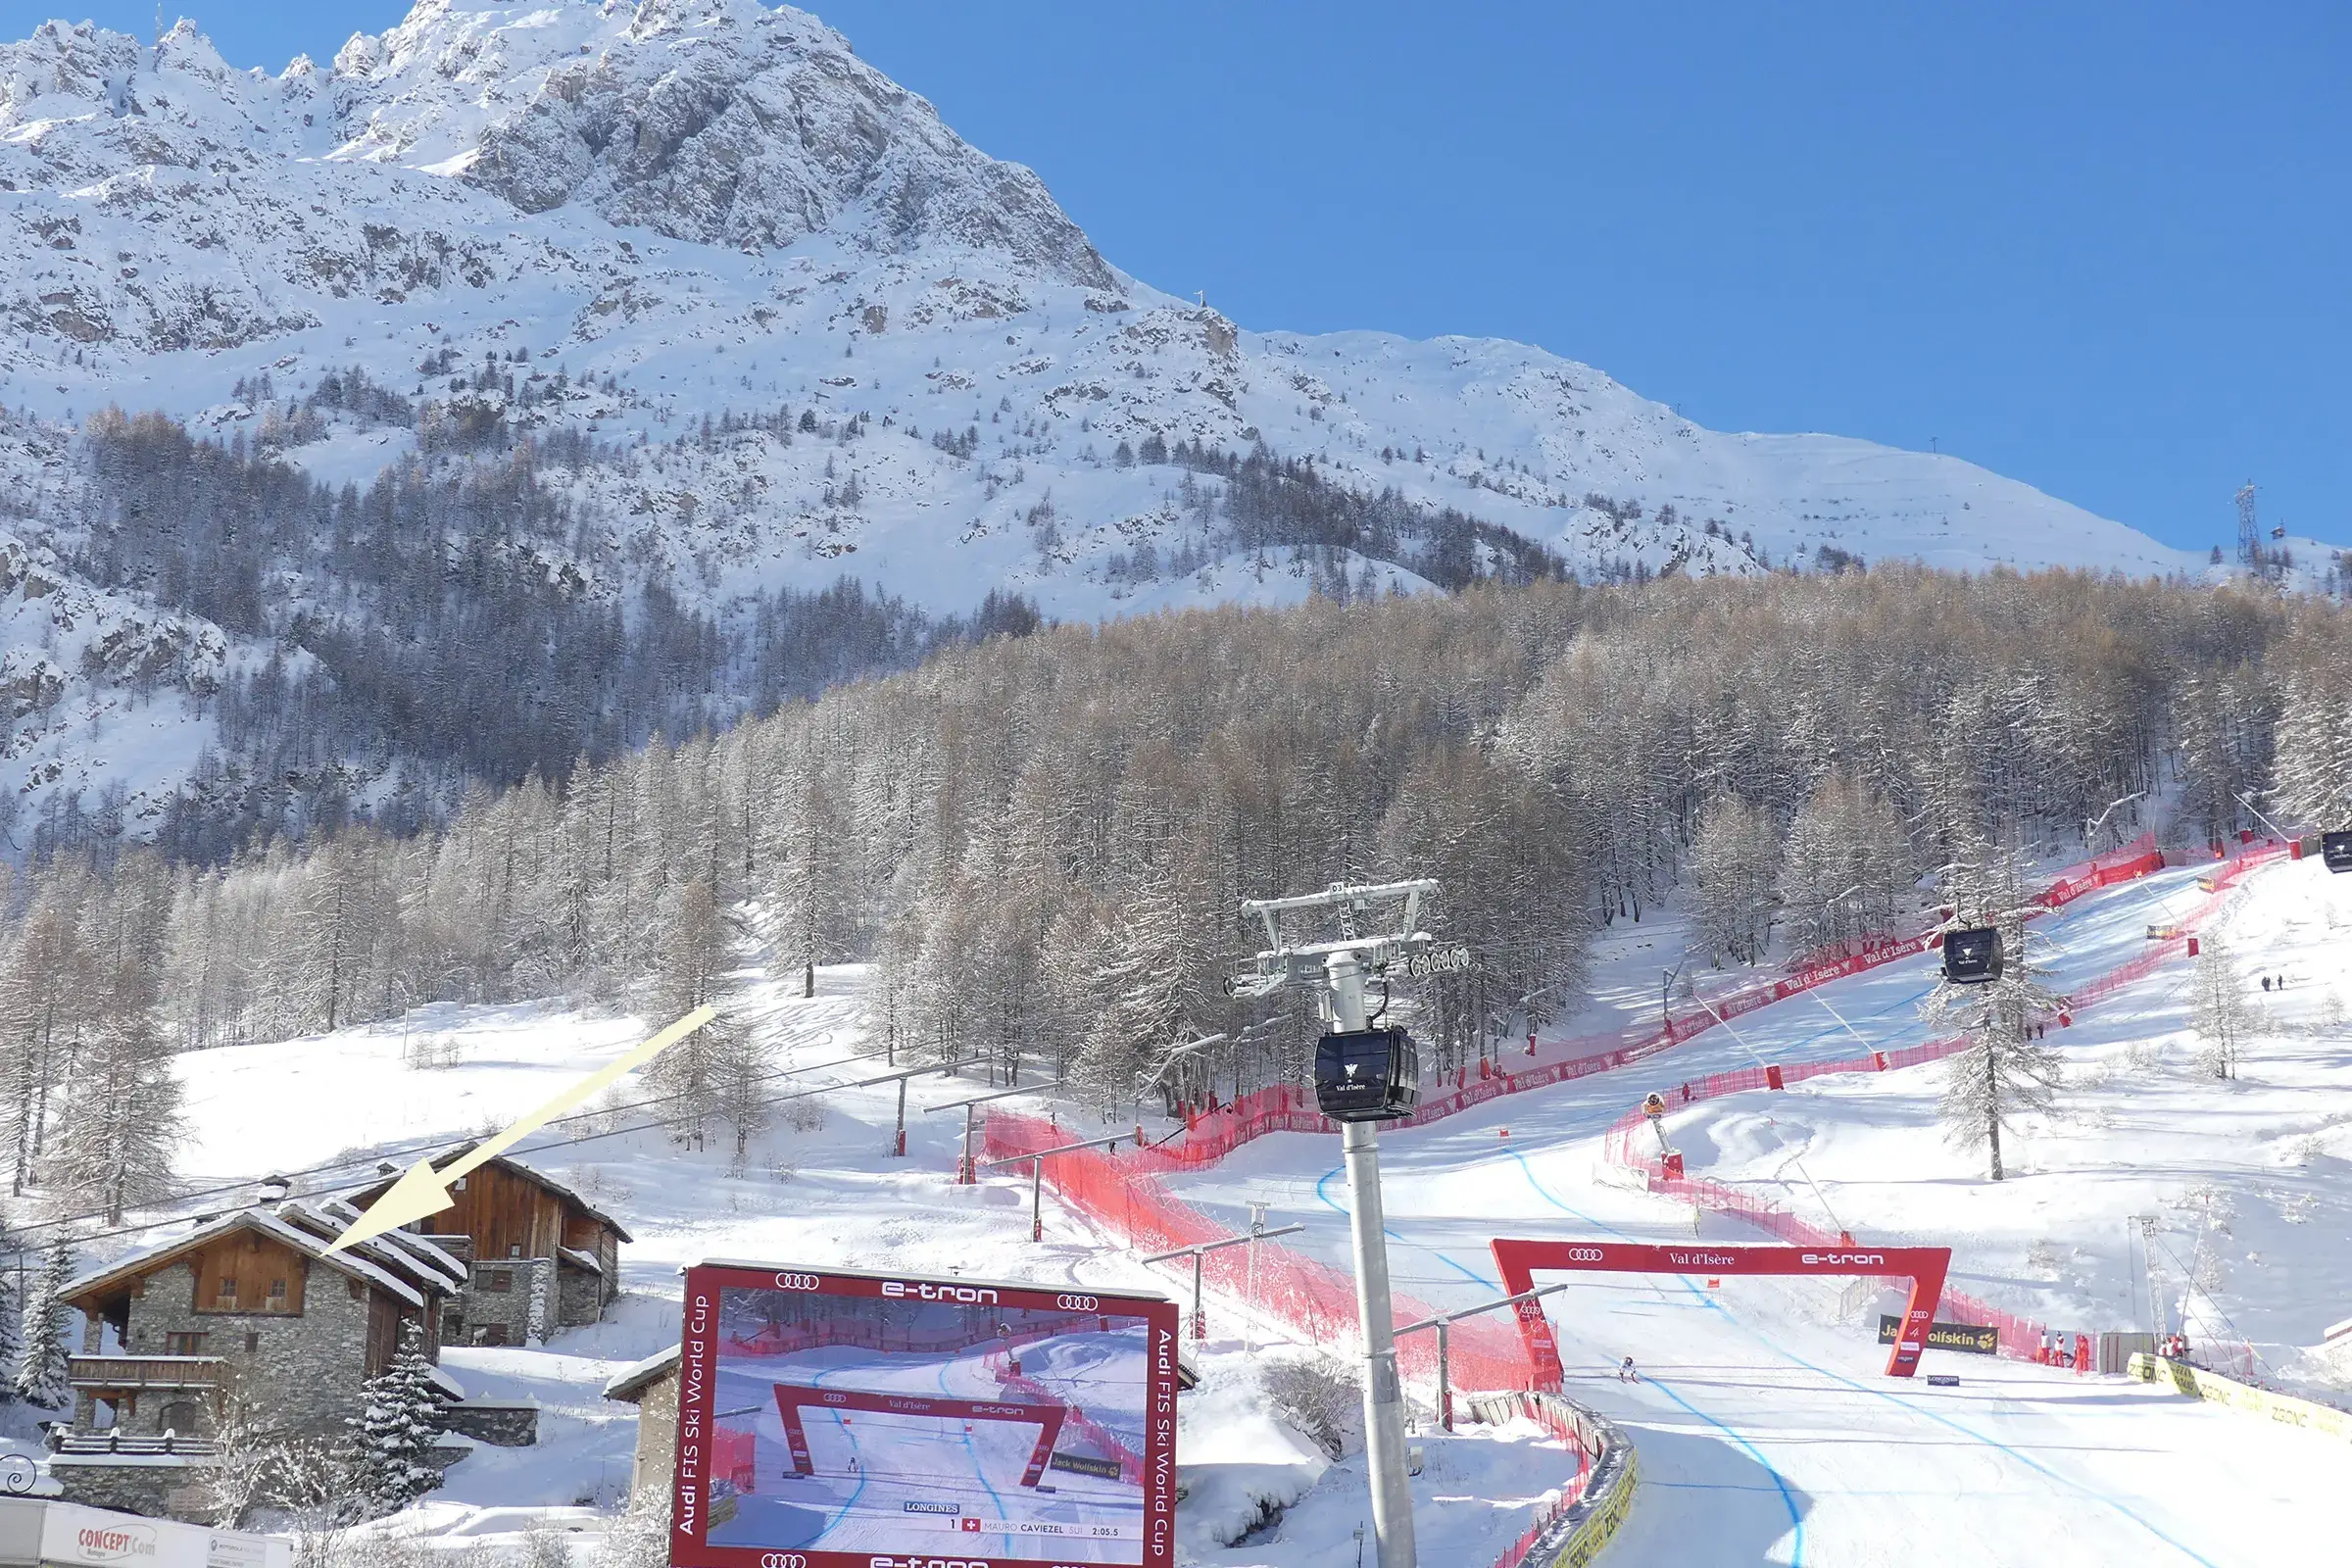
[
  {"x": 1765, "y": 1432},
  {"x": 1765, "y": 1428}
]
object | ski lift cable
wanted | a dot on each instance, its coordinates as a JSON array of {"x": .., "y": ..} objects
[
  {"x": 374, "y": 1177},
  {"x": 1820, "y": 1196},
  {"x": 2189, "y": 1279},
  {"x": 407, "y": 1147}
]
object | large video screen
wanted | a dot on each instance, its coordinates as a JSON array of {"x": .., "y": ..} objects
[{"x": 838, "y": 1420}]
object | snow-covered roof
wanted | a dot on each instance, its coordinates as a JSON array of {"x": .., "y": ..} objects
[
  {"x": 411, "y": 1249},
  {"x": 148, "y": 1258},
  {"x": 632, "y": 1383},
  {"x": 579, "y": 1259},
  {"x": 530, "y": 1173}
]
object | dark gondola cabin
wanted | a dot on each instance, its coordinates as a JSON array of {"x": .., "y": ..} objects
[
  {"x": 2336, "y": 850},
  {"x": 1367, "y": 1075},
  {"x": 1972, "y": 954}
]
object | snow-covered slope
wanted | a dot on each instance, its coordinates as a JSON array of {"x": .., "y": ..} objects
[
  {"x": 696, "y": 194},
  {"x": 1765, "y": 1428},
  {"x": 620, "y": 221}
]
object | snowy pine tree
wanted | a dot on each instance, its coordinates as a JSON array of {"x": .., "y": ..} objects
[
  {"x": 42, "y": 1368},
  {"x": 2005, "y": 1071},
  {"x": 1735, "y": 862},
  {"x": 2219, "y": 1010},
  {"x": 12, "y": 1319},
  {"x": 1847, "y": 869},
  {"x": 392, "y": 1436}
]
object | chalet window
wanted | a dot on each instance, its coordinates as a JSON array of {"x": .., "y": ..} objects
[
  {"x": 228, "y": 1289},
  {"x": 253, "y": 1341},
  {"x": 498, "y": 1282},
  {"x": 277, "y": 1294},
  {"x": 180, "y": 1343}
]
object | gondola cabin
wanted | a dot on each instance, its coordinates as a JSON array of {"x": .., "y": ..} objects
[
  {"x": 2336, "y": 850},
  {"x": 1972, "y": 954},
  {"x": 1367, "y": 1075}
]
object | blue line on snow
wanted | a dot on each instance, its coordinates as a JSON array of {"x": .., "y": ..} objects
[
  {"x": 1863, "y": 1388},
  {"x": 1944, "y": 1420},
  {"x": 1322, "y": 1190},
  {"x": 1796, "y": 1518},
  {"x": 978, "y": 1469},
  {"x": 856, "y": 1452}
]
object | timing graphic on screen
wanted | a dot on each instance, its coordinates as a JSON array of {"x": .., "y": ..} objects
[{"x": 875, "y": 1418}]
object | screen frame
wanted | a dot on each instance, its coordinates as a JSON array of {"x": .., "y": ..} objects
[{"x": 698, "y": 1366}]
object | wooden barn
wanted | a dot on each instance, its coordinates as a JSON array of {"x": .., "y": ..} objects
[{"x": 539, "y": 1255}]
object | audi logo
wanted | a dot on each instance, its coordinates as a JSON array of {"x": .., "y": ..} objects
[
  {"x": 1077, "y": 1303},
  {"x": 797, "y": 1282},
  {"x": 1584, "y": 1254},
  {"x": 782, "y": 1559}
]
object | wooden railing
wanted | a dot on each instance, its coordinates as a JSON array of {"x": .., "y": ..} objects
[
  {"x": 62, "y": 1441},
  {"x": 145, "y": 1371}
]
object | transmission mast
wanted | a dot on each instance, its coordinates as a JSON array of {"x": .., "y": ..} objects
[
  {"x": 2249, "y": 531},
  {"x": 1387, "y": 1073}
]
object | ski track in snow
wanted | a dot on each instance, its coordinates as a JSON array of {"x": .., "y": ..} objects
[{"x": 1754, "y": 1400}]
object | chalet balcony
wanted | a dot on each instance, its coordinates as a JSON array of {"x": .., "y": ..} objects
[
  {"x": 62, "y": 1441},
  {"x": 144, "y": 1372}
]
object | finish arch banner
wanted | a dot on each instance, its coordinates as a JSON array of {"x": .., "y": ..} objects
[
  {"x": 1519, "y": 1261},
  {"x": 845, "y": 1420}
]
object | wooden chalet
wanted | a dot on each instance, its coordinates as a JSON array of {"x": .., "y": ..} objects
[
  {"x": 250, "y": 1304},
  {"x": 539, "y": 1255}
]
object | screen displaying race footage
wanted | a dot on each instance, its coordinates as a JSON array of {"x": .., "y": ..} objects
[{"x": 835, "y": 1420}]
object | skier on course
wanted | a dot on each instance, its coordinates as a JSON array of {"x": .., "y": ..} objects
[{"x": 1626, "y": 1372}]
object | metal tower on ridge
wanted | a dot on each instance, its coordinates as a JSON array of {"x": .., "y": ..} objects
[{"x": 2249, "y": 531}]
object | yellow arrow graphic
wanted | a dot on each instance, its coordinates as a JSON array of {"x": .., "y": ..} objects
[{"x": 423, "y": 1190}]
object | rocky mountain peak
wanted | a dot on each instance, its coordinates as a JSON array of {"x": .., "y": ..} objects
[
  {"x": 715, "y": 121},
  {"x": 720, "y": 122}
]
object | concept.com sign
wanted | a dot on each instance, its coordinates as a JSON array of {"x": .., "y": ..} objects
[{"x": 1520, "y": 1261}]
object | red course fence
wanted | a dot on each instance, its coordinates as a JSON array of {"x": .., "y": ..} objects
[
  {"x": 1121, "y": 1193},
  {"x": 2019, "y": 1336}
]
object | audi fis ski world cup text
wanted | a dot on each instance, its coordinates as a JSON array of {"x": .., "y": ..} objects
[{"x": 836, "y": 1420}]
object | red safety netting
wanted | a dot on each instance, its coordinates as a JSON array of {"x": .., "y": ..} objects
[
  {"x": 1114, "y": 1446},
  {"x": 1566, "y": 1422},
  {"x": 1210, "y": 1135},
  {"x": 1625, "y": 1141},
  {"x": 732, "y": 1455},
  {"x": 1122, "y": 1194}
]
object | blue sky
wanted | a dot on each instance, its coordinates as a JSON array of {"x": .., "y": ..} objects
[{"x": 2102, "y": 248}]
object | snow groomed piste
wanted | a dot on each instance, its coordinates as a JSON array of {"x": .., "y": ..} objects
[{"x": 1804, "y": 1454}]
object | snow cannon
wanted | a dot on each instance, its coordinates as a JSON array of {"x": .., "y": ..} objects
[
  {"x": 1367, "y": 1074},
  {"x": 2336, "y": 850},
  {"x": 1972, "y": 954}
]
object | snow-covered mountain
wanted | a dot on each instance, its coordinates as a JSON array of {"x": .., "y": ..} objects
[{"x": 613, "y": 224}]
